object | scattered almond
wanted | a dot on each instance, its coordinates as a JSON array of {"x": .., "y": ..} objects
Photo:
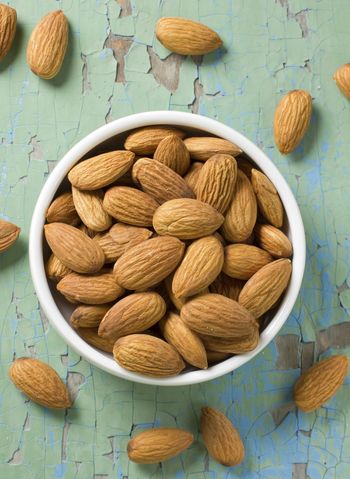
[
  {"x": 243, "y": 260},
  {"x": 9, "y": 234},
  {"x": 342, "y": 79},
  {"x": 8, "y": 21},
  {"x": 173, "y": 153},
  {"x": 202, "y": 148},
  {"x": 269, "y": 202},
  {"x": 62, "y": 210},
  {"x": 144, "y": 141},
  {"x": 273, "y": 240}
]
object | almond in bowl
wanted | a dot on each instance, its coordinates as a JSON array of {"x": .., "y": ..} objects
[{"x": 165, "y": 269}]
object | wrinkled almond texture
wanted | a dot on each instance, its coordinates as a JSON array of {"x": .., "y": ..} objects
[
  {"x": 173, "y": 153},
  {"x": 157, "y": 445},
  {"x": 91, "y": 337},
  {"x": 186, "y": 218},
  {"x": 186, "y": 37},
  {"x": 292, "y": 118},
  {"x": 216, "y": 181},
  {"x": 148, "y": 355},
  {"x": 73, "y": 248},
  {"x": 8, "y": 21},
  {"x": 232, "y": 345},
  {"x": 321, "y": 382},
  {"x": 88, "y": 316},
  {"x": 144, "y": 141},
  {"x": 62, "y": 210},
  {"x": 130, "y": 205},
  {"x": 273, "y": 240},
  {"x": 342, "y": 79},
  {"x": 9, "y": 234},
  {"x": 243, "y": 260},
  {"x": 241, "y": 213},
  {"x": 148, "y": 263},
  {"x": 216, "y": 356},
  {"x": 40, "y": 383},
  {"x": 229, "y": 287},
  {"x": 47, "y": 45},
  {"x": 55, "y": 269},
  {"x": 90, "y": 210},
  {"x": 192, "y": 175},
  {"x": 201, "y": 148},
  {"x": 221, "y": 438},
  {"x": 269, "y": 202}
]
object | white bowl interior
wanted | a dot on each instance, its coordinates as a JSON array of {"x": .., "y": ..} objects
[{"x": 112, "y": 136}]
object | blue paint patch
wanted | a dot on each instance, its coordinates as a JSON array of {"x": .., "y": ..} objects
[{"x": 60, "y": 470}]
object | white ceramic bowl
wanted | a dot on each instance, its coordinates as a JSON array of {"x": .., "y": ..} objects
[{"x": 109, "y": 136}]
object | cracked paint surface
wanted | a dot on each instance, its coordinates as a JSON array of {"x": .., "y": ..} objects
[{"x": 114, "y": 67}]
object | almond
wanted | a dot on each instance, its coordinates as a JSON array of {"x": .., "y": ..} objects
[
  {"x": 273, "y": 240},
  {"x": 177, "y": 302},
  {"x": 321, "y": 382},
  {"x": 159, "y": 181},
  {"x": 201, "y": 148},
  {"x": 216, "y": 181},
  {"x": 186, "y": 218},
  {"x": 90, "y": 210},
  {"x": 8, "y": 20},
  {"x": 216, "y": 315},
  {"x": 342, "y": 79},
  {"x": 192, "y": 175},
  {"x": 144, "y": 141},
  {"x": 148, "y": 355},
  {"x": 269, "y": 202},
  {"x": 40, "y": 383},
  {"x": 265, "y": 287},
  {"x": 221, "y": 438},
  {"x": 133, "y": 314},
  {"x": 173, "y": 153},
  {"x": 200, "y": 266},
  {"x": 101, "y": 170},
  {"x": 110, "y": 248},
  {"x": 130, "y": 205},
  {"x": 157, "y": 445},
  {"x": 9, "y": 234},
  {"x": 186, "y": 37},
  {"x": 232, "y": 345},
  {"x": 229, "y": 287},
  {"x": 47, "y": 45},
  {"x": 62, "y": 210},
  {"x": 55, "y": 269},
  {"x": 217, "y": 356},
  {"x": 185, "y": 341},
  {"x": 91, "y": 337},
  {"x": 292, "y": 118},
  {"x": 87, "y": 231},
  {"x": 148, "y": 263},
  {"x": 93, "y": 289},
  {"x": 88, "y": 316},
  {"x": 73, "y": 248},
  {"x": 243, "y": 260},
  {"x": 241, "y": 214}
]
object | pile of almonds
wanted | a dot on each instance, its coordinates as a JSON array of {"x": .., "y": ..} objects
[{"x": 160, "y": 248}]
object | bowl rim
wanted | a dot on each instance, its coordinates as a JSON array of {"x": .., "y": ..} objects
[{"x": 105, "y": 132}]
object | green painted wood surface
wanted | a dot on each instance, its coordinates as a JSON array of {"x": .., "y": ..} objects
[{"x": 115, "y": 67}]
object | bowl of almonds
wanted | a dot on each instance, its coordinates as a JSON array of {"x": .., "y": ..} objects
[{"x": 166, "y": 248}]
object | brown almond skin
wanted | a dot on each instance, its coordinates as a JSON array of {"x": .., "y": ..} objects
[
  {"x": 88, "y": 316},
  {"x": 90, "y": 289},
  {"x": 40, "y": 382},
  {"x": 221, "y": 438},
  {"x": 232, "y": 345},
  {"x": 157, "y": 445},
  {"x": 8, "y": 21},
  {"x": 90, "y": 210},
  {"x": 148, "y": 263},
  {"x": 173, "y": 153},
  {"x": 241, "y": 214},
  {"x": 47, "y": 45},
  {"x": 73, "y": 248},
  {"x": 186, "y": 37},
  {"x": 55, "y": 269},
  {"x": 292, "y": 119},
  {"x": 177, "y": 302},
  {"x": 269, "y": 202},
  {"x": 160, "y": 181},
  {"x": 148, "y": 355},
  {"x": 264, "y": 288},
  {"x": 130, "y": 205},
  {"x": 342, "y": 79},
  {"x": 202, "y": 148},
  {"x": 144, "y": 141},
  {"x": 243, "y": 260},
  {"x": 186, "y": 218},
  {"x": 216, "y": 315},
  {"x": 91, "y": 337},
  {"x": 216, "y": 181},
  {"x": 217, "y": 356},
  {"x": 273, "y": 240},
  {"x": 321, "y": 382},
  {"x": 101, "y": 170},
  {"x": 229, "y": 287},
  {"x": 185, "y": 341},
  {"x": 192, "y": 175},
  {"x": 133, "y": 314},
  {"x": 9, "y": 234},
  {"x": 200, "y": 266},
  {"x": 62, "y": 210}
]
